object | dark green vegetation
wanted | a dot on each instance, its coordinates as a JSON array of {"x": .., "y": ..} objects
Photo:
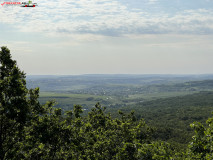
[
  {"x": 171, "y": 117},
  {"x": 31, "y": 130},
  {"x": 168, "y": 103}
]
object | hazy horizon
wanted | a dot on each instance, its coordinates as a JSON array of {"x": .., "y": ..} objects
[{"x": 120, "y": 74}]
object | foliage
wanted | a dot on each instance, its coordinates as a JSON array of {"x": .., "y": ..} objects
[
  {"x": 17, "y": 105},
  {"x": 201, "y": 146},
  {"x": 29, "y": 130},
  {"x": 171, "y": 117}
]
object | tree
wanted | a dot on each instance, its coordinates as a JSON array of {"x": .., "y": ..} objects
[
  {"x": 201, "y": 146},
  {"x": 29, "y": 130},
  {"x": 17, "y": 104}
]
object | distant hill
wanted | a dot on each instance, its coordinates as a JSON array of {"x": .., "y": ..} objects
[
  {"x": 113, "y": 83},
  {"x": 169, "y": 103}
]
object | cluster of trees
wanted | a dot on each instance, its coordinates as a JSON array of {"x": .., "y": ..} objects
[
  {"x": 171, "y": 117},
  {"x": 30, "y": 130}
]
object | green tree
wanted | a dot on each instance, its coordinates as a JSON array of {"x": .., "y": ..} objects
[
  {"x": 201, "y": 146},
  {"x": 17, "y": 105},
  {"x": 14, "y": 105},
  {"x": 29, "y": 130}
]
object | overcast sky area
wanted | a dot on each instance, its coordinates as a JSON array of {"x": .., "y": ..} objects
[{"x": 65, "y": 37}]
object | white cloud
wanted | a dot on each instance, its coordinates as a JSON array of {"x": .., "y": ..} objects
[{"x": 103, "y": 17}]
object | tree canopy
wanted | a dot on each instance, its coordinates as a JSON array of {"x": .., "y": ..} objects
[{"x": 30, "y": 130}]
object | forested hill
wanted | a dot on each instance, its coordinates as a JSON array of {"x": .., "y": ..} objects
[
  {"x": 167, "y": 103},
  {"x": 31, "y": 130},
  {"x": 172, "y": 116},
  {"x": 188, "y": 86},
  {"x": 203, "y": 98}
]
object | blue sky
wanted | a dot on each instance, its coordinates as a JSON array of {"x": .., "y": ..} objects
[{"x": 110, "y": 36}]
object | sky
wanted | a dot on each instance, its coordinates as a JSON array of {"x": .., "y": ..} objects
[{"x": 73, "y": 37}]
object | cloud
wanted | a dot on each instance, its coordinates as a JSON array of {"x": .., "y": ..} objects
[
  {"x": 104, "y": 17},
  {"x": 152, "y": 1}
]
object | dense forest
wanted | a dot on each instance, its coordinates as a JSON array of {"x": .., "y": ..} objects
[
  {"x": 167, "y": 103},
  {"x": 31, "y": 129}
]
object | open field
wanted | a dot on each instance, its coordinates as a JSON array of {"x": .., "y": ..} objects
[
  {"x": 169, "y": 104},
  {"x": 116, "y": 90}
]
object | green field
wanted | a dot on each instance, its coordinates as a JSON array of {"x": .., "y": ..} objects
[
  {"x": 67, "y": 101},
  {"x": 169, "y": 104}
]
